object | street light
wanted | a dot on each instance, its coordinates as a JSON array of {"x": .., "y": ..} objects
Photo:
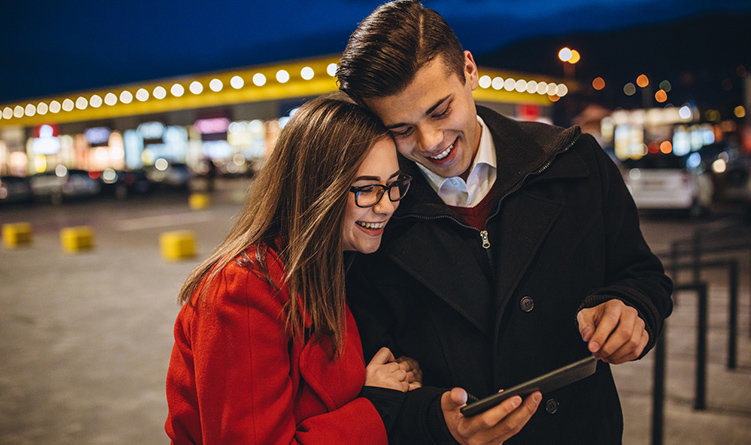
[{"x": 569, "y": 57}]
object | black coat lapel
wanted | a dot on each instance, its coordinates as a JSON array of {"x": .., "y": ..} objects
[{"x": 441, "y": 260}]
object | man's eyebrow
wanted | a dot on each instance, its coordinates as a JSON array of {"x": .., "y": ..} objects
[{"x": 428, "y": 111}]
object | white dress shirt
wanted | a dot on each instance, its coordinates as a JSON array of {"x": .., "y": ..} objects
[{"x": 455, "y": 191}]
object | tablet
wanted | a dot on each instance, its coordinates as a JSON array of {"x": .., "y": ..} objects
[{"x": 544, "y": 383}]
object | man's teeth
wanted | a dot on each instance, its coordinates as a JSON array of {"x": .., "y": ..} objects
[
  {"x": 372, "y": 226},
  {"x": 443, "y": 154}
]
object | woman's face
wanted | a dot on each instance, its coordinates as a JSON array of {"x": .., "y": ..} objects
[{"x": 362, "y": 228}]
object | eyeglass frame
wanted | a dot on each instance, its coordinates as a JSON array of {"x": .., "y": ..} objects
[{"x": 385, "y": 190}]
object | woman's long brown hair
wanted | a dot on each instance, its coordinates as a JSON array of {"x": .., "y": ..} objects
[{"x": 300, "y": 196}]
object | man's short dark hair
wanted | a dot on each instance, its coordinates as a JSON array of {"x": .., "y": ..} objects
[{"x": 391, "y": 44}]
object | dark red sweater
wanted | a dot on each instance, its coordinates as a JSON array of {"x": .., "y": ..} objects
[{"x": 477, "y": 215}]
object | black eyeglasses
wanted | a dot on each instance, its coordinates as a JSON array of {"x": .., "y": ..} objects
[{"x": 370, "y": 195}]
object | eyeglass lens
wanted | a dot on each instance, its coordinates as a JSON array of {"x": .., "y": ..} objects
[{"x": 372, "y": 195}]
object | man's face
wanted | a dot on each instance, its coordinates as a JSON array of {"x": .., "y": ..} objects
[{"x": 433, "y": 119}]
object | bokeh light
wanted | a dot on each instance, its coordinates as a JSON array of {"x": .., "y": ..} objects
[
  {"x": 642, "y": 81},
  {"x": 95, "y": 101},
  {"x": 160, "y": 92},
  {"x": 307, "y": 73},
  {"x": 126, "y": 97},
  {"x": 666, "y": 147},
  {"x": 331, "y": 69},
  {"x": 216, "y": 85},
  {"x": 237, "y": 82},
  {"x": 575, "y": 57},
  {"x": 259, "y": 79},
  {"x": 196, "y": 87},
  {"x": 282, "y": 76},
  {"x": 565, "y": 54},
  {"x": 177, "y": 90}
]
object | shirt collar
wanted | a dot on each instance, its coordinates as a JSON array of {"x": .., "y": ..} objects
[{"x": 485, "y": 156}]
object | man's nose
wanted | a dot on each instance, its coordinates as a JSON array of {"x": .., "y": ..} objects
[{"x": 429, "y": 137}]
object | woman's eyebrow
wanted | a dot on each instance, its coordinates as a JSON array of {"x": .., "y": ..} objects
[{"x": 374, "y": 178}]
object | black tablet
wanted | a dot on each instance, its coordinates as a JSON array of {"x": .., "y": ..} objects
[{"x": 544, "y": 383}]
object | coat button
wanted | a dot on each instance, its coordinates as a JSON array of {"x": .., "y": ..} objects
[
  {"x": 527, "y": 303},
  {"x": 551, "y": 406}
]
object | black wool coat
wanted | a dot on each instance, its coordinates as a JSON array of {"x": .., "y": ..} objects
[{"x": 485, "y": 311}]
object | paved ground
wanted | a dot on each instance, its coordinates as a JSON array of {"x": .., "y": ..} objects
[{"x": 85, "y": 339}]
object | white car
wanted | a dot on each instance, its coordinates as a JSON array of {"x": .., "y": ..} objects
[{"x": 668, "y": 186}]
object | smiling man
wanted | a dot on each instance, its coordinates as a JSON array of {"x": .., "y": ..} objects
[{"x": 517, "y": 251}]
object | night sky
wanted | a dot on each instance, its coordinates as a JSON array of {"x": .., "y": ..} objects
[{"x": 56, "y": 47}]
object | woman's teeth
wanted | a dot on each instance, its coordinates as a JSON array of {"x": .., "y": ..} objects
[
  {"x": 371, "y": 226},
  {"x": 443, "y": 154}
]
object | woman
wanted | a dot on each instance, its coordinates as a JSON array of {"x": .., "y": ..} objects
[{"x": 266, "y": 350}]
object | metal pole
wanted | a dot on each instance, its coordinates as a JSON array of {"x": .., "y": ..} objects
[
  {"x": 674, "y": 268},
  {"x": 700, "y": 399},
  {"x": 697, "y": 255},
  {"x": 658, "y": 389},
  {"x": 732, "y": 314}
]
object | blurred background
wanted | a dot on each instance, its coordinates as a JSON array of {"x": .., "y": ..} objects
[{"x": 130, "y": 132}]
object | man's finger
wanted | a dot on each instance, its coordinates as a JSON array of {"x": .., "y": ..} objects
[
  {"x": 625, "y": 335},
  {"x": 585, "y": 318},
  {"x": 631, "y": 351},
  {"x": 515, "y": 420},
  {"x": 605, "y": 325}
]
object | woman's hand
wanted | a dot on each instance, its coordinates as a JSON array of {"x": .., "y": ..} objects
[{"x": 384, "y": 371}]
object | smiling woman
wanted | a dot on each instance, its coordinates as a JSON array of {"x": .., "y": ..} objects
[{"x": 265, "y": 344}]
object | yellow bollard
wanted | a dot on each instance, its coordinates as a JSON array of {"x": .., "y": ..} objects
[
  {"x": 77, "y": 238},
  {"x": 178, "y": 245},
  {"x": 16, "y": 234},
  {"x": 199, "y": 201}
]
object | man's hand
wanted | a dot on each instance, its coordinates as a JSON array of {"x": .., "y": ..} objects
[
  {"x": 414, "y": 373},
  {"x": 614, "y": 332},
  {"x": 493, "y": 426}
]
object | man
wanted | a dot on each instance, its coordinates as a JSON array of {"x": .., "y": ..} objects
[{"x": 517, "y": 251}]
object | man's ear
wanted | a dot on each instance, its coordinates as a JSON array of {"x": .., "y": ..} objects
[{"x": 470, "y": 71}]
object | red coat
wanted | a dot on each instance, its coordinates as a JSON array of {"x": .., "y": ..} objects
[{"x": 236, "y": 377}]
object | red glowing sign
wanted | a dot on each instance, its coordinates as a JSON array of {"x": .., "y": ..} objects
[{"x": 46, "y": 130}]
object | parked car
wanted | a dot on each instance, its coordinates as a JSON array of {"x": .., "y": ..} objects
[
  {"x": 170, "y": 174},
  {"x": 731, "y": 172},
  {"x": 664, "y": 182},
  {"x": 122, "y": 183},
  {"x": 14, "y": 189},
  {"x": 64, "y": 184}
]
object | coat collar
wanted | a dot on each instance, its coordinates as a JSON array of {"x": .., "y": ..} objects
[{"x": 523, "y": 150}]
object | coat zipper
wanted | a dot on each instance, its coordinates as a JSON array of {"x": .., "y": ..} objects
[{"x": 484, "y": 233}]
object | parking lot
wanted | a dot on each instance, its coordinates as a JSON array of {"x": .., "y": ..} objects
[{"x": 85, "y": 338}]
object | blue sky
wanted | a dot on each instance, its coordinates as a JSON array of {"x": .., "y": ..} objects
[{"x": 53, "y": 47}]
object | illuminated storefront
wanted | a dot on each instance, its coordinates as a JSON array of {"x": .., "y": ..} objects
[{"x": 231, "y": 118}]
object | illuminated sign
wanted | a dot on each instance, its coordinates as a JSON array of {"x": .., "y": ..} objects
[
  {"x": 47, "y": 129},
  {"x": 151, "y": 130},
  {"x": 212, "y": 126},
  {"x": 97, "y": 135},
  {"x": 46, "y": 142},
  {"x": 217, "y": 149}
]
